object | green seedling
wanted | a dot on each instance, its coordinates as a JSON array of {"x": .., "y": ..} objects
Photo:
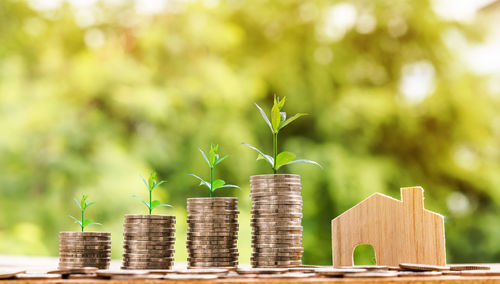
[
  {"x": 151, "y": 184},
  {"x": 212, "y": 160},
  {"x": 278, "y": 121},
  {"x": 83, "y": 205}
]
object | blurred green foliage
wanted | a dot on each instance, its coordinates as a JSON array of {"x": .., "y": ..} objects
[{"x": 92, "y": 96}]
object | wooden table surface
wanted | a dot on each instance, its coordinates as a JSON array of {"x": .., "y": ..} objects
[{"x": 40, "y": 264}]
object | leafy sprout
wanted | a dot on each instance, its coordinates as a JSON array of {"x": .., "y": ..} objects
[
  {"x": 277, "y": 122},
  {"x": 212, "y": 160},
  {"x": 151, "y": 184},
  {"x": 83, "y": 205}
]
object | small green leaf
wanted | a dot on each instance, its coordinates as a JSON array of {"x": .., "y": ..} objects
[
  {"x": 264, "y": 116},
  {"x": 87, "y": 205},
  {"x": 221, "y": 159},
  {"x": 78, "y": 203},
  {"x": 151, "y": 181},
  {"x": 281, "y": 103},
  {"x": 145, "y": 182},
  {"x": 86, "y": 222},
  {"x": 203, "y": 182},
  {"x": 212, "y": 155},
  {"x": 204, "y": 156},
  {"x": 217, "y": 183},
  {"x": 94, "y": 223},
  {"x": 165, "y": 205},
  {"x": 83, "y": 202},
  {"x": 268, "y": 158},
  {"x": 303, "y": 161},
  {"x": 76, "y": 220},
  {"x": 283, "y": 116},
  {"x": 155, "y": 203},
  {"x": 283, "y": 158},
  {"x": 275, "y": 116},
  {"x": 229, "y": 185},
  {"x": 291, "y": 119},
  {"x": 145, "y": 202},
  {"x": 159, "y": 183}
]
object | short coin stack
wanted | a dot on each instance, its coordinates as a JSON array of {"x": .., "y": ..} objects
[
  {"x": 148, "y": 242},
  {"x": 84, "y": 249},
  {"x": 276, "y": 220},
  {"x": 212, "y": 232}
]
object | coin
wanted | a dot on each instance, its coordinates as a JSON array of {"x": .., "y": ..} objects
[
  {"x": 148, "y": 253},
  {"x": 419, "y": 273},
  {"x": 85, "y": 254},
  {"x": 86, "y": 234},
  {"x": 257, "y": 263},
  {"x": 469, "y": 267},
  {"x": 279, "y": 249},
  {"x": 149, "y": 217},
  {"x": 82, "y": 270},
  {"x": 152, "y": 234},
  {"x": 143, "y": 258},
  {"x": 10, "y": 273},
  {"x": 153, "y": 238},
  {"x": 148, "y": 228},
  {"x": 126, "y": 245},
  {"x": 380, "y": 274},
  {"x": 228, "y": 226},
  {"x": 281, "y": 207},
  {"x": 212, "y": 264},
  {"x": 261, "y": 270},
  {"x": 423, "y": 267},
  {"x": 77, "y": 257}
]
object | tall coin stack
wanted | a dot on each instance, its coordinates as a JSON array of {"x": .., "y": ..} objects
[
  {"x": 84, "y": 249},
  {"x": 148, "y": 242},
  {"x": 212, "y": 232},
  {"x": 276, "y": 220}
]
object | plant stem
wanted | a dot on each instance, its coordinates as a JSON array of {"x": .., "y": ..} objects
[
  {"x": 150, "y": 192},
  {"x": 211, "y": 180},
  {"x": 275, "y": 151},
  {"x": 83, "y": 211}
]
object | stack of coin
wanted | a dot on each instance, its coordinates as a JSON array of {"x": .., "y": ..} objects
[
  {"x": 212, "y": 232},
  {"x": 148, "y": 241},
  {"x": 276, "y": 220},
  {"x": 84, "y": 249}
]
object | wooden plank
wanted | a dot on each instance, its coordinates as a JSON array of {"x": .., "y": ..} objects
[
  {"x": 399, "y": 231},
  {"x": 400, "y": 280}
]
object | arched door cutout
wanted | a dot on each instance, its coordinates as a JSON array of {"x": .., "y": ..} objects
[{"x": 364, "y": 254}]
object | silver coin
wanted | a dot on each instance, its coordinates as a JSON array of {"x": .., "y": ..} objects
[
  {"x": 84, "y": 234},
  {"x": 149, "y": 217}
]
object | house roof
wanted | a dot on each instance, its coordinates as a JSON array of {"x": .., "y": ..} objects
[{"x": 376, "y": 196}]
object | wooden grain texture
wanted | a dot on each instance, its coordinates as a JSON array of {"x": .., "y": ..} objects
[
  {"x": 400, "y": 280},
  {"x": 399, "y": 231}
]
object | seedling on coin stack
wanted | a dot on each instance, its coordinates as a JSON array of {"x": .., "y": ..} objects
[
  {"x": 151, "y": 184},
  {"x": 84, "y": 249},
  {"x": 213, "y": 160},
  {"x": 149, "y": 239},
  {"x": 83, "y": 205},
  {"x": 277, "y": 201},
  {"x": 213, "y": 222}
]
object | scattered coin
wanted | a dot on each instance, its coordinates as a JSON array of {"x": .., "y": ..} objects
[
  {"x": 10, "y": 273},
  {"x": 419, "y": 273},
  {"x": 81, "y": 270},
  {"x": 37, "y": 276},
  {"x": 190, "y": 277},
  {"x": 469, "y": 267},
  {"x": 261, "y": 270},
  {"x": 202, "y": 271},
  {"x": 423, "y": 267},
  {"x": 479, "y": 273},
  {"x": 372, "y": 274}
]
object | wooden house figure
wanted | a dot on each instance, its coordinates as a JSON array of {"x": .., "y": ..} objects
[{"x": 399, "y": 231}]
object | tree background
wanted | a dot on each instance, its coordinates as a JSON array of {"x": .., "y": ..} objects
[{"x": 96, "y": 94}]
